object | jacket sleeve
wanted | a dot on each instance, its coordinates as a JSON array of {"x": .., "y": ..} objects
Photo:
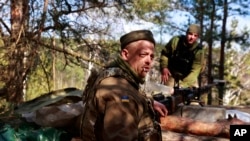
[
  {"x": 192, "y": 78},
  {"x": 166, "y": 52},
  {"x": 119, "y": 110}
]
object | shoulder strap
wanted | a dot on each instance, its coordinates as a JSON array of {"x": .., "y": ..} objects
[
  {"x": 197, "y": 48},
  {"x": 96, "y": 77},
  {"x": 175, "y": 43},
  {"x": 90, "y": 82}
]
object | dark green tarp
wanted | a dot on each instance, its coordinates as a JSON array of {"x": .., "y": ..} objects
[
  {"x": 19, "y": 129},
  {"x": 29, "y": 132}
]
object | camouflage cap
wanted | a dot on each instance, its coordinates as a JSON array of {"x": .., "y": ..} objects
[
  {"x": 194, "y": 28},
  {"x": 135, "y": 36}
]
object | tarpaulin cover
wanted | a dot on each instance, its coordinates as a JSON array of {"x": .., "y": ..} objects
[{"x": 29, "y": 132}]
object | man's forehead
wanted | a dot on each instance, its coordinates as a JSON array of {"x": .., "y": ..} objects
[{"x": 193, "y": 33}]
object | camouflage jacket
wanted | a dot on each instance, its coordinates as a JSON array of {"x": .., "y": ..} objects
[{"x": 115, "y": 110}]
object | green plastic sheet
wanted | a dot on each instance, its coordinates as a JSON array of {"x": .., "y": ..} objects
[{"x": 28, "y": 132}]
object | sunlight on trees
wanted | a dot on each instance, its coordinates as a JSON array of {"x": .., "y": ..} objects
[{"x": 64, "y": 38}]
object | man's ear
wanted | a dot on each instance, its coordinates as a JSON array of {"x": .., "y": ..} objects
[{"x": 124, "y": 54}]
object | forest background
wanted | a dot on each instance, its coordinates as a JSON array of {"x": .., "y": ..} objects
[{"x": 53, "y": 44}]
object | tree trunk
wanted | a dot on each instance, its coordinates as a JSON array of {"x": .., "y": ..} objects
[
  {"x": 222, "y": 51},
  {"x": 16, "y": 50},
  {"x": 210, "y": 55}
]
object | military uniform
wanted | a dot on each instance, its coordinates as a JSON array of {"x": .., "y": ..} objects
[
  {"x": 183, "y": 61},
  {"x": 115, "y": 109}
]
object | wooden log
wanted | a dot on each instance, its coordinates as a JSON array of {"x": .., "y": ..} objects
[
  {"x": 190, "y": 126},
  {"x": 173, "y": 136}
]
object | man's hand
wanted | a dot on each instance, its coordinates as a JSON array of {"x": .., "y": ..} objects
[
  {"x": 160, "y": 108},
  {"x": 165, "y": 73}
]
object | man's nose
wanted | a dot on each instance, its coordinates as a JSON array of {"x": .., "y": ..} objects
[{"x": 149, "y": 60}]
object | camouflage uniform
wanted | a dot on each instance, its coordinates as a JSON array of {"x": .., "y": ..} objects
[
  {"x": 185, "y": 73},
  {"x": 116, "y": 110}
]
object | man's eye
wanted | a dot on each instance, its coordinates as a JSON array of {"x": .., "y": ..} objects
[
  {"x": 143, "y": 55},
  {"x": 152, "y": 57}
]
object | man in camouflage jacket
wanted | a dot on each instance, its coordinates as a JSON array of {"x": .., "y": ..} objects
[{"x": 115, "y": 108}]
